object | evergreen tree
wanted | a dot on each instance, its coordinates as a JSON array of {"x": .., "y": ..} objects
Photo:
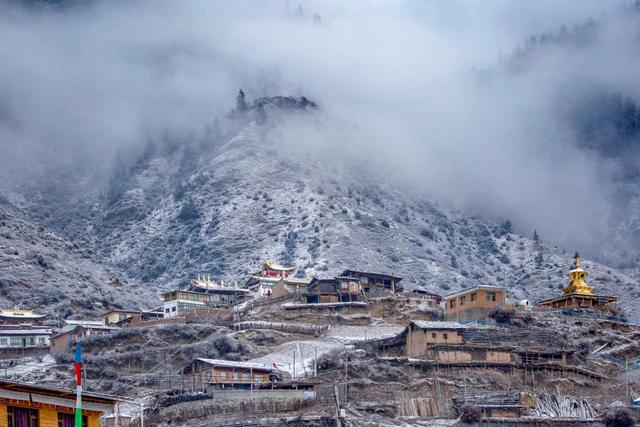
[
  {"x": 506, "y": 227},
  {"x": 241, "y": 102},
  {"x": 536, "y": 238}
]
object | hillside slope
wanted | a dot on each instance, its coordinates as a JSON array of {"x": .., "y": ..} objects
[
  {"x": 249, "y": 196},
  {"x": 42, "y": 271}
]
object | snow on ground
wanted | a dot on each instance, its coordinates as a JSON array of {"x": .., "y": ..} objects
[
  {"x": 351, "y": 334},
  {"x": 27, "y": 366},
  {"x": 338, "y": 338}
]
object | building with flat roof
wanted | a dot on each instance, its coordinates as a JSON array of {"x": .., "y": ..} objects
[
  {"x": 202, "y": 293},
  {"x": 474, "y": 303},
  {"x": 204, "y": 374}
]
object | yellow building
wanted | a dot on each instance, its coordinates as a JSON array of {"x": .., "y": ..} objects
[
  {"x": 473, "y": 304},
  {"x": 578, "y": 294},
  {"x": 31, "y": 405}
]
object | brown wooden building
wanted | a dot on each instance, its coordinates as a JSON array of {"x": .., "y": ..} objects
[
  {"x": 375, "y": 284},
  {"x": 422, "y": 334},
  {"x": 473, "y": 304},
  {"x": 340, "y": 289},
  {"x": 31, "y": 405},
  {"x": 204, "y": 374},
  {"x": 76, "y": 329}
]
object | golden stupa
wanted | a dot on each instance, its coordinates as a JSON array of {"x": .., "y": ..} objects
[{"x": 577, "y": 284}]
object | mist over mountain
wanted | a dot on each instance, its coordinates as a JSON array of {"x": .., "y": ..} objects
[{"x": 397, "y": 137}]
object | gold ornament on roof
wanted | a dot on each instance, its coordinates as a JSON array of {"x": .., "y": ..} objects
[{"x": 577, "y": 283}]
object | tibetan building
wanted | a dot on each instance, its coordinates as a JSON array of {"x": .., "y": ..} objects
[
  {"x": 75, "y": 330},
  {"x": 273, "y": 277},
  {"x": 22, "y": 333},
  {"x": 578, "y": 294},
  {"x": 31, "y": 405},
  {"x": 202, "y": 293},
  {"x": 473, "y": 304},
  {"x": 375, "y": 284},
  {"x": 205, "y": 374},
  {"x": 340, "y": 289}
]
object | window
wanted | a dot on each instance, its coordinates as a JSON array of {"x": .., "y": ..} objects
[
  {"x": 41, "y": 341},
  {"x": 235, "y": 376},
  {"x": 491, "y": 296},
  {"x": 473, "y": 297},
  {"x": 259, "y": 378},
  {"x": 463, "y": 299},
  {"x": 452, "y": 303},
  {"x": 209, "y": 375},
  {"x": 445, "y": 336},
  {"x": 167, "y": 310},
  {"x": 16, "y": 341},
  {"x": 246, "y": 376},
  {"x": 4, "y": 341},
  {"x": 173, "y": 309},
  {"x": 223, "y": 375},
  {"x": 69, "y": 420},
  {"x": 433, "y": 335},
  {"x": 31, "y": 340},
  {"x": 22, "y": 417}
]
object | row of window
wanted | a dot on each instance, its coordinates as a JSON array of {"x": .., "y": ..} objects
[
  {"x": 26, "y": 417},
  {"x": 22, "y": 341},
  {"x": 235, "y": 376},
  {"x": 489, "y": 296}
]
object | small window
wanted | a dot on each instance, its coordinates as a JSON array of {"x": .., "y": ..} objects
[
  {"x": 22, "y": 417},
  {"x": 65, "y": 420},
  {"x": 445, "y": 336},
  {"x": 433, "y": 334},
  {"x": 235, "y": 376},
  {"x": 452, "y": 303},
  {"x": 223, "y": 375},
  {"x": 4, "y": 341},
  {"x": 246, "y": 376},
  {"x": 167, "y": 310},
  {"x": 41, "y": 341},
  {"x": 259, "y": 378},
  {"x": 473, "y": 297},
  {"x": 491, "y": 296},
  {"x": 463, "y": 299},
  {"x": 173, "y": 309},
  {"x": 209, "y": 375}
]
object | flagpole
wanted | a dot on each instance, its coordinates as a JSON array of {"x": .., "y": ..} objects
[{"x": 78, "y": 369}]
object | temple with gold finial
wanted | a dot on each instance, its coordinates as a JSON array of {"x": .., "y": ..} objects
[{"x": 578, "y": 294}]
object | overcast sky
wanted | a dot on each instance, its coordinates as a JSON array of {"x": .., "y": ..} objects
[{"x": 419, "y": 86}]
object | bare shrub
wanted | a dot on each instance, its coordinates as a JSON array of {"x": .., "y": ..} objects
[{"x": 471, "y": 414}]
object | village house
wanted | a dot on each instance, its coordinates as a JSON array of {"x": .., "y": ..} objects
[
  {"x": 73, "y": 330},
  {"x": 456, "y": 343},
  {"x": 206, "y": 374},
  {"x": 263, "y": 282},
  {"x": 473, "y": 304},
  {"x": 375, "y": 284},
  {"x": 203, "y": 293},
  {"x": 340, "y": 289},
  {"x": 19, "y": 318},
  {"x": 578, "y": 294},
  {"x": 112, "y": 317},
  {"x": 432, "y": 299},
  {"x": 22, "y": 333},
  {"x": 422, "y": 334},
  {"x": 31, "y": 405}
]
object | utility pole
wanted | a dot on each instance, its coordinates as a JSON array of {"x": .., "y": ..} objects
[
  {"x": 294, "y": 365},
  {"x": 315, "y": 362}
]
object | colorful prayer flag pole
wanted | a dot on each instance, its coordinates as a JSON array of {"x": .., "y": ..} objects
[{"x": 77, "y": 366}]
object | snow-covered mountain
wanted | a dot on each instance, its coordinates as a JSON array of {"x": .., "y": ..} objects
[{"x": 237, "y": 194}]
